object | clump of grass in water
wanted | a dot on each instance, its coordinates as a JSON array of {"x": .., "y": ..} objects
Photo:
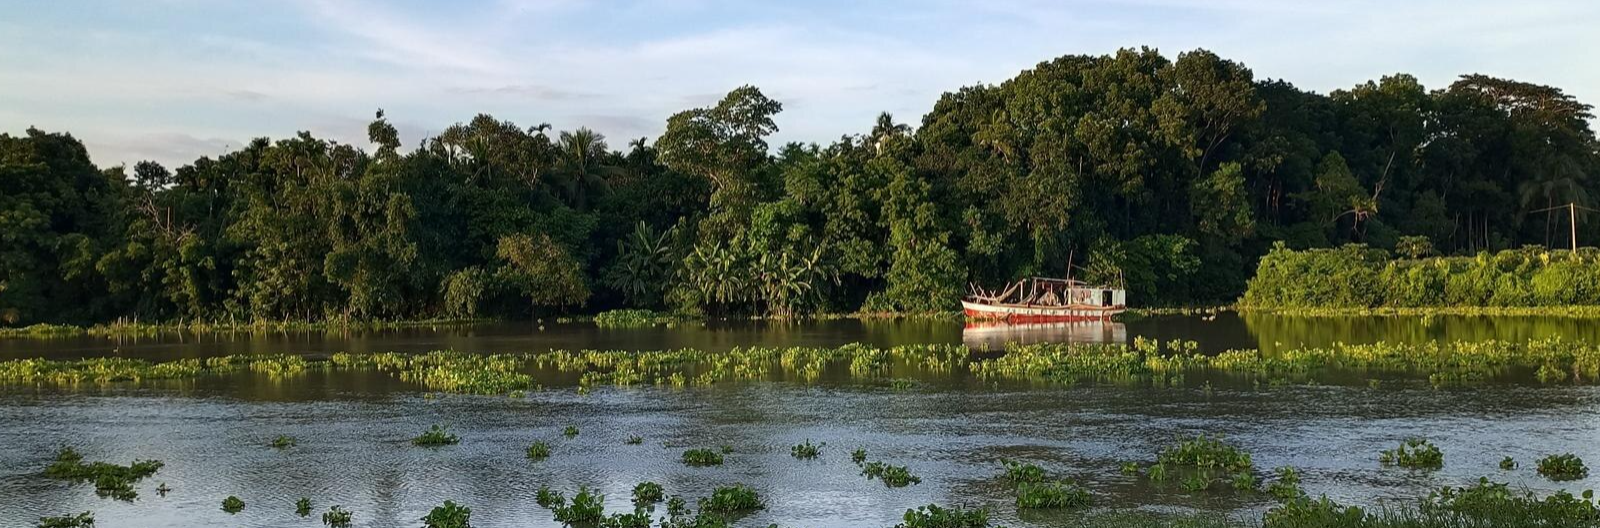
[
  {"x": 283, "y": 442},
  {"x": 436, "y": 436},
  {"x": 302, "y": 507},
  {"x": 586, "y": 508},
  {"x": 1563, "y": 467},
  {"x": 902, "y": 384},
  {"x": 702, "y": 457},
  {"x": 232, "y": 504},
  {"x": 1131, "y": 468},
  {"x": 858, "y": 456},
  {"x": 549, "y": 499},
  {"x": 1051, "y": 495},
  {"x": 1497, "y": 504},
  {"x": 570, "y": 431},
  {"x": 647, "y": 493},
  {"x": 110, "y": 480},
  {"x": 448, "y": 515},
  {"x": 539, "y": 450},
  {"x": 337, "y": 517},
  {"x": 891, "y": 476},
  {"x": 634, "y": 440},
  {"x": 1508, "y": 463},
  {"x": 806, "y": 450},
  {"x": 933, "y": 516},
  {"x": 729, "y": 499},
  {"x": 1413, "y": 453},
  {"x": 82, "y": 520},
  {"x": 1018, "y": 472},
  {"x": 1202, "y": 458},
  {"x": 1287, "y": 485}
]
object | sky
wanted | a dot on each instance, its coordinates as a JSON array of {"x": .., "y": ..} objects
[{"x": 174, "y": 80}]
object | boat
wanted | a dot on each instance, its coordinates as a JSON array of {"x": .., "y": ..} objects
[{"x": 1046, "y": 300}]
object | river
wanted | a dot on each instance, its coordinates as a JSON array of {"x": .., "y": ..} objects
[{"x": 353, "y": 428}]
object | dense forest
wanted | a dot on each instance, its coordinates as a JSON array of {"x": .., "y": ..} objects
[{"x": 1175, "y": 176}]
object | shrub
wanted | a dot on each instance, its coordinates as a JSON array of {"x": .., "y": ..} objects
[
  {"x": 1563, "y": 467},
  {"x": 448, "y": 515}
]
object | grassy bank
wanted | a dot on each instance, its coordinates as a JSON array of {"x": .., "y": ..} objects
[
  {"x": 1143, "y": 362},
  {"x": 118, "y": 329}
]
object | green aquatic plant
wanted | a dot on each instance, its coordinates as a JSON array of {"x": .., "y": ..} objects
[
  {"x": 1286, "y": 486},
  {"x": 726, "y": 449},
  {"x": 302, "y": 507},
  {"x": 891, "y": 475},
  {"x": 806, "y": 450},
  {"x": 82, "y": 520},
  {"x": 1052, "y": 495},
  {"x": 435, "y": 436},
  {"x": 1017, "y": 472},
  {"x": 1498, "y": 503},
  {"x": 1413, "y": 453},
  {"x": 232, "y": 504},
  {"x": 1130, "y": 468},
  {"x": 538, "y": 450},
  {"x": 702, "y": 457},
  {"x": 448, "y": 515},
  {"x": 586, "y": 508},
  {"x": 1157, "y": 473},
  {"x": 638, "y": 518},
  {"x": 1244, "y": 481},
  {"x": 110, "y": 480},
  {"x": 677, "y": 507},
  {"x": 902, "y": 384},
  {"x": 162, "y": 489},
  {"x": 728, "y": 499},
  {"x": 858, "y": 456},
  {"x": 1206, "y": 453},
  {"x": 1563, "y": 467},
  {"x": 548, "y": 498},
  {"x": 633, "y": 319},
  {"x": 1508, "y": 463},
  {"x": 283, "y": 442},
  {"x": 570, "y": 431},
  {"x": 1304, "y": 512},
  {"x": 1197, "y": 481},
  {"x": 337, "y": 517},
  {"x": 634, "y": 440},
  {"x": 933, "y": 516},
  {"x": 648, "y": 493}
]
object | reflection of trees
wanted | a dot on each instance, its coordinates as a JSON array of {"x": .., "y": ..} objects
[{"x": 1274, "y": 332}]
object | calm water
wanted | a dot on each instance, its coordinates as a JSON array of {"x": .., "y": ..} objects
[{"x": 354, "y": 428}]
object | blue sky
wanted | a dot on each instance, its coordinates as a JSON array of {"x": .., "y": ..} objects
[{"x": 172, "y": 80}]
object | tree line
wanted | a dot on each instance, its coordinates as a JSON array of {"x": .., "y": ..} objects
[{"x": 1173, "y": 176}]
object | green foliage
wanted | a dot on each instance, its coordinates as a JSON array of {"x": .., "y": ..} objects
[
  {"x": 859, "y": 456},
  {"x": 1413, "y": 453},
  {"x": 702, "y": 457},
  {"x": 448, "y": 515},
  {"x": 1508, "y": 464},
  {"x": 232, "y": 504},
  {"x": 435, "y": 436},
  {"x": 586, "y": 508},
  {"x": 538, "y": 450},
  {"x": 337, "y": 517},
  {"x": 1206, "y": 453},
  {"x": 1286, "y": 487},
  {"x": 1018, "y": 472},
  {"x": 1040, "y": 495},
  {"x": 302, "y": 507},
  {"x": 735, "y": 498},
  {"x": 891, "y": 475},
  {"x": 806, "y": 450},
  {"x": 632, "y": 319},
  {"x": 82, "y": 520},
  {"x": 647, "y": 493},
  {"x": 1563, "y": 467},
  {"x": 110, "y": 480},
  {"x": 933, "y": 516},
  {"x": 283, "y": 442},
  {"x": 1358, "y": 277},
  {"x": 541, "y": 270},
  {"x": 570, "y": 431}
]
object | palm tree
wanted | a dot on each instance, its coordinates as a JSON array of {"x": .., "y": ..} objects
[
  {"x": 1562, "y": 182},
  {"x": 582, "y": 165}
]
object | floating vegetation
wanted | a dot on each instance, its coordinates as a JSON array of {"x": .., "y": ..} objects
[
  {"x": 1413, "y": 453},
  {"x": 110, "y": 480},
  {"x": 448, "y": 515},
  {"x": 1563, "y": 467},
  {"x": 1496, "y": 502},
  {"x": 891, "y": 475},
  {"x": 702, "y": 457},
  {"x": 570, "y": 431},
  {"x": 302, "y": 507},
  {"x": 634, "y": 319},
  {"x": 807, "y": 450},
  {"x": 232, "y": 504},
  {"x": 82, "y": 520},
  {"x": 933, "y": 516},
  {"x": 729, "y": 499},
  {"x": 1048, "y": 495},
  {"x": 538, "y": 450},
  {"x": 162, "y": 489},
  {"x": 1508, "y": 464},
  {"x": 634, "y": 440},
  {"x": 902, "y": 384},
  {"x": 434, "y": 437},
  {"x": 858, "y": 456},
  {"x": 586, "y": 508},
  {"x": 1130, "y": 468},
  {"x": 1201, "y": 461},
  {"x": 1018, "y": 473},
  {"x": 548, "y": 498},
  {"x": 648, "y": 493},
  {"x": 1286, "y": 486},
  {"x": 337, "y": 517},
  {"x": 283, "y": 442}
]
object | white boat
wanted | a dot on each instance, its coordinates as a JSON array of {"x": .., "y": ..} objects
[{"x": 1045, "y": 300}]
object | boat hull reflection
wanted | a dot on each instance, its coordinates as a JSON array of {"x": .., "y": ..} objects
[{"x": 994, "y": 335}]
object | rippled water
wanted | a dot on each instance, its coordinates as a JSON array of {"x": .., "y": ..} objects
[{"x": 354, "y": 430}]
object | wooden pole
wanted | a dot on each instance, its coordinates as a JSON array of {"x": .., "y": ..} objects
[{"x": 1572, "y": 214}]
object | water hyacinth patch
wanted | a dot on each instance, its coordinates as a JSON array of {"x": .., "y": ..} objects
[
  {"x": 806, "y": 450},
  {"x": 1286, "y": 486},
  {"x": 933, "y": 516},
  {"x": 570, "y": 431},
  {"x": 82, "y": 520},
  {"x": 1563, "y": 467},
  {"x": 1130, "y": 468},
  {"x": 232, "y": 504},
  {"x": 586, "y": 508},
  {"x": 435, "y": 436},
  {"x": 1508, "y": 464},
  {"x": 448, "y": 515},
  {"x": 858, "y": 456},
  {"x": 539, "y": 450},
  {"x": 648, "y": 493},
  {"x": 729, "y": 499},
  {"x": 1207, "y": 453},
  {"x": 891, "y": 476},
  {"x": 1413, "y": 453},
  {"x": 337, "y": 517},
  {"x": 634, "y": 440},
  {"x": 110, "y": 480},
  {"x": 548, "y": 498},
  {"x": 1050, "y": 495},
  {"x": 302, "y": 507},
  {"x": 283, "y": 442},
  {"x": 702, "y": 457},
  {"x": 1017, "y": 472}
]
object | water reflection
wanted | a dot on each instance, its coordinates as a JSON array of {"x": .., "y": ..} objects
[{"x": 993, "y": 336}]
